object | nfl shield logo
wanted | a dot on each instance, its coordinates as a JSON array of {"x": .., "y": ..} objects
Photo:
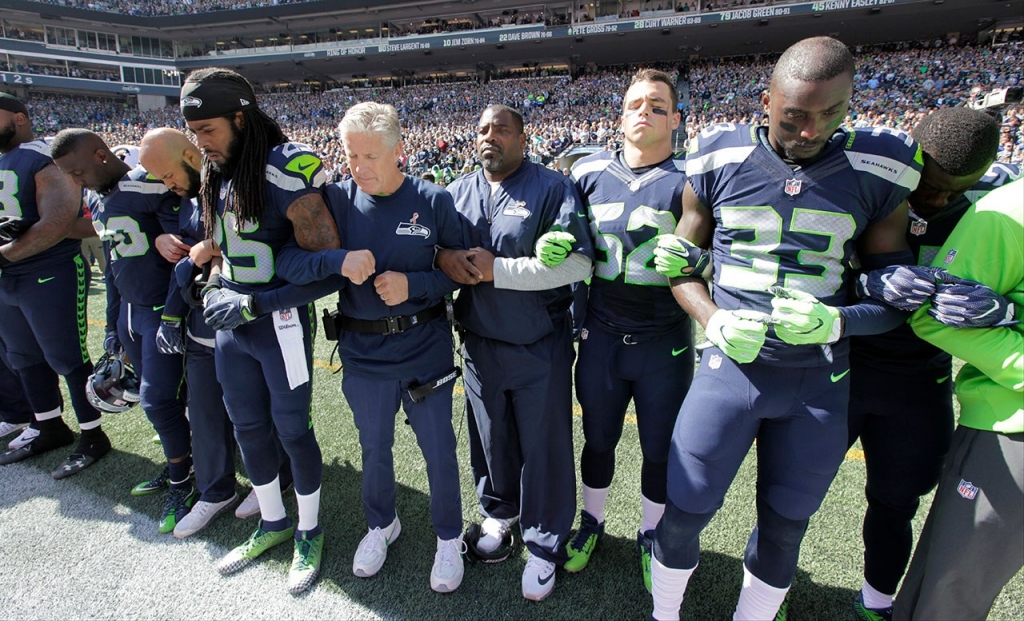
[
  {"x": 715, "y": 361},
  {"x": 793, "y": 186},
  {"x": 918, "y": 227},
  {"x": 286, "y": 315},
  {"x": 967, "y": 490},
  {"x": 950, "y": 256}
]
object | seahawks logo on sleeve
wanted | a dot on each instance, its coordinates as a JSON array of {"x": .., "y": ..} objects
[{"x": 293, "y": 167}]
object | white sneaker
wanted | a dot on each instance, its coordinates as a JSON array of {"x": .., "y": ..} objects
[
  {"x": 446, "y": 576},
  {"x": 248, "y": 507},
  {"x": 373, "y": 549},
  {"x": 493, "y": 531},
  {"x": 200, "y": 516},
  {"x": 24, "y": 439},
  {"x": 538, "y": 578},
  {"x": 7, "y": 429}
]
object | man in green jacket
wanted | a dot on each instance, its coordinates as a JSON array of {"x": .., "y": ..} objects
[{"x": 973, "y": 539}]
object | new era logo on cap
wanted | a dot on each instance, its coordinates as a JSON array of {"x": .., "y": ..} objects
[{"x": 244, "y": 102}]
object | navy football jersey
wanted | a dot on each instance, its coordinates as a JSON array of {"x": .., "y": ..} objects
[
  {"x": 776, "y": 226},
  {"x": 627, "y": 212},
  {"x": 129, "y": 219},
  {"x": 18, "y": 168},
  {"x": 507, "y": 221},
  {"x": 250, "y": 249},
  {"x": 900, "y": 350}
]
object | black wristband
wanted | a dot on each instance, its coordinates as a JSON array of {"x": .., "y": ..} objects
[{"x": 254, "y": 306}]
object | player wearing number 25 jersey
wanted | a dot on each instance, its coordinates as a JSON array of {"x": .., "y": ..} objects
[
  {"x": 636, "y": 342},
  {"x": 259, "y": 190},
  {"x": 784, "y": 207}
]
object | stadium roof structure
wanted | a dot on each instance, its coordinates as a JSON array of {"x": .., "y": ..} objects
[{"x": 652, "y": 36}]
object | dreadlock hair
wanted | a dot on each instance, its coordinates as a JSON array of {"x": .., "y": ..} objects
[
  {"x": 259, "y": 133},
  {"x": 961, "y": 141},
  {"x": 817, "y": 59}
]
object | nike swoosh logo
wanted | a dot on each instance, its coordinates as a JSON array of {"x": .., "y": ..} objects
[
  {"x": 676, "y": 352},
  {"x": 942, "y": 380},
  {"x": 582, "y": 215},
  {"x": 306, "y": 167},
  {"x": 543, "y": 581},
  {"x": 176, "y": 208},
  {"x": 42, "y": 280},
  {"x": 835, "y": 378},
  {"x": 157, "y": 308}
]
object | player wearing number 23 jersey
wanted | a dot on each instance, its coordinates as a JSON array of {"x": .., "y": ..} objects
[{"x": 789, "y": 209}]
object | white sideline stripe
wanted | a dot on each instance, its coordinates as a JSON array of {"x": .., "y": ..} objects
[{"x": 123, "y": 569}]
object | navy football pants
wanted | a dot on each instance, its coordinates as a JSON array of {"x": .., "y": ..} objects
[
  {"x": 905, "y": 425},
  {"x": 261, "y": 402},
  {"x": 798, "y": 417},
  {"x": 613, "y": 369},
  {"x": 162, "y": 397}
]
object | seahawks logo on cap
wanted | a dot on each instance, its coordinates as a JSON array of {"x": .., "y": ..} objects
[{"x": 191, "y": 101}]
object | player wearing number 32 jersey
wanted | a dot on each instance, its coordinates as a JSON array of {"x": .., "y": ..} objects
[{"x": 786, "y": 209}]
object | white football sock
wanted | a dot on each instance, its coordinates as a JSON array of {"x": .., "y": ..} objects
[
  {"x": 652, "y": 512},
  {"x": 48, "y": 415},
  {"x": 873, "y": 598},
  {"x": 309, "y": 509},
  {"x": 668, "y": 587},
  {"x": 759, "y": 600},
  {"x": 271, "y": 503},
  {"x": 93, "y": 424},
  {"x": 593, "y": 502}
]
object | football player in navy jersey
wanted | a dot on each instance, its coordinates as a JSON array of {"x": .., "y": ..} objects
[
  {"x": 518, "y": 343},
  {"x": 134, "y": 209},
  {"x": 394, "y": 338},
  {"x": 636, "y": 340},
  {"x": 259, "y": 190},
  {"x": 43, "y": 294},
  {"x": 783, "y": 209},
  {"x": 901, "y": 390}
]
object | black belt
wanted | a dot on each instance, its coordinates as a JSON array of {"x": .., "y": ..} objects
[{"x": 391, "y": 325}]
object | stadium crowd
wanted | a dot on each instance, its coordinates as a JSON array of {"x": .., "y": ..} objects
[{"x": 895, "y": 86}]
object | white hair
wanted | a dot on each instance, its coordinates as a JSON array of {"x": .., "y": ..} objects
[{"x": 370, "y": 117}]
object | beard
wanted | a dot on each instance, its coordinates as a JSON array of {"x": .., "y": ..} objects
[
  {"x": 195, "y": 180},
  {"x": 227, "y": 169},
  {"x": 7, "y": 134}
]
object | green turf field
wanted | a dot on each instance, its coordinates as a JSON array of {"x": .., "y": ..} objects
[{"x": 826, "y": 582}]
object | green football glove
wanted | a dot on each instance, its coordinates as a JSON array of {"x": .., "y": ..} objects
[
  {"x": 800, "y": 319},
  {"x": 553, "y": 247},
  {"x": 738, "y": 333},
  {"x": 676, "y": 256}
]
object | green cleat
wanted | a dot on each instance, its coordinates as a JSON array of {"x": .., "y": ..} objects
[
  {"x": 306, "y": 562},
  {"x": 259, "y": 542},
  {"x": 179, "y": 503},
  {"x": 583, "y": 543},
  {"x": 870, "y": 614},
  {"x": 783, "y": 612},
  {"x": 157, "y": 483},
  {"x": 645, "y": 545}
]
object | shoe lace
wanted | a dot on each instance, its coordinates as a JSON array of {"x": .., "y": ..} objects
[
  {"x": 176, "y": 499},
  {"x": 583, "y": 535},
  {"x": 375, "y": 543},
  {"x": 303, "y": 547},
  {"x": 537, "y": 565},
  {"x": 449, "y": 551}
]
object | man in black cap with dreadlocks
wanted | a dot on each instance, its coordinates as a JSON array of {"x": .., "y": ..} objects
[{"x": 259, "y": 190}]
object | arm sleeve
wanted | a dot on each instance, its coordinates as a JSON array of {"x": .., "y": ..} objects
[
  {"x": 529, "y": 274},
  {"x": 297, "y": 296},
  {"x": 175, "y": 308},
  {"x": 300, "y": 267},
  {"x": 987, "y": 247}
]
